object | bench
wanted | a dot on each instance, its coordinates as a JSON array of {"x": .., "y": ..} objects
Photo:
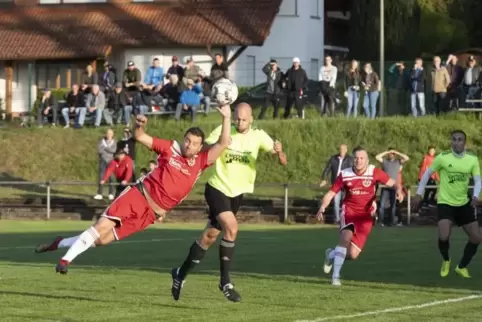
[
  {"x": 212, "y": 106},
  {"x": 473, "y": 109}
]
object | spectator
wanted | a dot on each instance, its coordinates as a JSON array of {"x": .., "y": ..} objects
[
  {"x": 108, "y": 79},
  {"x": 352, "y": 88},
  {"x": 48, "y": 107},
  {"x": 117, "y": 104},
  {"x": 471, "y": 80},
  {"x": 397, "y": 93},
  {"x": 128, "y": 144},
  {"x": 140, "y": 103},
  {"x": 417, "y": 88},
  {"x": 122, "y": 168},
  {"x": 392, "y": 166},
  {"x": 335, "y": 165},
  {"x": 219, "y": 69},
  {"x": 171, "y": 92},
  {"x": 74, "y": 104},
  {"x": 191, "y": 71},
  {"x": 189, "y": 100},
  {"x": 327, "y": 78},
  {"x": 429, "y": 196},
  {"x": 440, "y": 83},
  {"x": 89, "y": 78},
  {"x": 132, "y": 79},
  {"x": 154, "y": 75},
  {"x": 106, "y": 149},
  {"x": 454, "y": 90},
  {"x": 274, "y": 78},
  {"x": 296, "y": 81},
  {"x": 176, "y": 69},
  {"x": 95, "y": 105},
  {"x": 144, "y": 172},
  {"x": 205, "y": 95},
  {"x": 371, "y": 84},
  {"x": 152, "y": 165}
]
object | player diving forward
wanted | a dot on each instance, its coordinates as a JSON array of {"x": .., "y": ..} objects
[
  {"x": 453, "y": 202},
  {"x": 235, "y": 173},
  {"x": 179, "y": 166},
  {"x": 358, "y": 207}
]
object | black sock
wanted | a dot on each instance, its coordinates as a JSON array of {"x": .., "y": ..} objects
[
  {"x": 226, "y": 252},
  {"x": 196, "y": 254},
  {"x": 469, "y": 252},
  {"x": 443, "y": 246}
]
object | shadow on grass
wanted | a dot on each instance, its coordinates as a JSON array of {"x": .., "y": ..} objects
[{"x": 402, "y": 257}]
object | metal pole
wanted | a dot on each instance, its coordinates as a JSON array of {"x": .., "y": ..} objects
[
  {"x": 286, "y": 204},
  {"x": 409, "y": 208},
  {"x": 382, "y": 57},
  {"x": 48, "y": 200},
  {"x": 30, "y": 69}
]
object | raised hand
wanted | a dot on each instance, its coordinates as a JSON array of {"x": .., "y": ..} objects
[
  {"x": 225, "y": 110},
  {"x": 141, "y": 120}
]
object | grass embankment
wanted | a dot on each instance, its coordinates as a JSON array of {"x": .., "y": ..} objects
[{"x": 70, "y": 155}]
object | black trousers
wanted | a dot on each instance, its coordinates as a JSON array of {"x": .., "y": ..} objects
[
  {"x": 297, "y": 100},
  {"x": 272, "y": 99}
]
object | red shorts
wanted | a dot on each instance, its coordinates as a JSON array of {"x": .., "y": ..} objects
[
  {"x": 131, "y": 212},
  {"x": 362, "y": 226}
]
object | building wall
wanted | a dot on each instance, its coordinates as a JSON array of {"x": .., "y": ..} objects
[
  {"x": 20, "y": 87},
  {"x": 3, "y": 86}
]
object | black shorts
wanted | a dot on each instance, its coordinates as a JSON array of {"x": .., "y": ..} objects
[
  {"x": 218, "y": 202},
  {"x": 460, "y": 215}
]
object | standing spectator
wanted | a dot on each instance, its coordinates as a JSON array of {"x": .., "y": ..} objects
[
  {"x": 190, "y": 101},
  {"x": 191, "y": 71},
  {"x": 471, "y": 80},
  {"x": 440, "y": 83},
  {"x": 417, "y": 88},
  {"x": 128, "y": 144},
  {"x": 392, "y": 166},
  {"x": 117, "y": 103},
  {"x": 371, "y": 84},
  {"x": 106, "y": 149},
  {"x": 454, "y": 90},
  {"x": 132, "y": 79},
  {"x": 429, "y": 196},
  {"x": 296, "y": 82},
  {"x": 219, "y": 69},
  {"x": 74, "y": 105},
  {"x": 352, "y": 88},
  {"x": 108, "y": 79},
  {"x": 335, "y": 165},
  {"x": 327, "y": 78},
  {"x": 274, "y": 78},
  {"x": 397, "y": 93},
  {"x": 176, "y": 69},
  {"x": 89, "y": 78},
  {"x": 95, "y": 105},
  {"x": 122, "y": 168},
  {"x": 48, "y": 107}
]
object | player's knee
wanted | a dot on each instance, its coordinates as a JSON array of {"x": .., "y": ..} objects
[
  {"x": 230, "y": 232},
  {"x": 229, "y": 225},
  {"x": 475, "y": 239},
  {"x": 208, "y": 238},
  {"x": 104, "y": 226}
]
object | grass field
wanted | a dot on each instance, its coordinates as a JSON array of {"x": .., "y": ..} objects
[{"x": 277, "y": 269}]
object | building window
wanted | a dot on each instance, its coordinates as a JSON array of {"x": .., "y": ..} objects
[
  {"x": 69, "y": 1},
  {"x": 314, "y": 69},
  {"x": 315, "y": 12},
  {"x": 288, "y": 8},
  {"x": 250, "y": 70}
]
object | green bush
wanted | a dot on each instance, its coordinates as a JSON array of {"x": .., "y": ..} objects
[{"x": 58, "y": 93}]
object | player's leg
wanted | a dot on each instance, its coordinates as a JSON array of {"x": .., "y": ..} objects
[
  {"x": 336, "y": 256},
  {"x": 445, "y": 219},
  {"x": 61, "y": 242},
  {"x": 467, "y": 219}
]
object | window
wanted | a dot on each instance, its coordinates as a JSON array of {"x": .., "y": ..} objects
[
  {"x": 70, "y": 1},
  {"x": 250, "y": 70},
  {"x": 315, "y": 9},
  {"x": 314, "y": 69},
  {"x": 288, "y": 8}
]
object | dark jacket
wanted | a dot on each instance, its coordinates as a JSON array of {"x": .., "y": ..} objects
[
  {"x": 417, "y": 81},
  {"x": 78, "y": 100},
  {"x": 172, "y": 92},
  {"x": 108, "y": 80},
  {"x": 218, "y": 72},
  {"x": 352, "y": 79},
  {"x": 132, "y": 76},
  {"x": 49, "y": 102},
  {"x": 333, "y": 165},
  {"x": 176, "y": 70},
  {"x": 296, "y": 79},
  {"x": 130, "y": 143},
  {"x": 274, "y": 79},
  {"x": 456, "y": 73},
  {"x": 117, "y": 101},
  {"x": 399, "y": 79},
  {"x": 476, "y": 70},
  {"x": 372, "y": 81}
]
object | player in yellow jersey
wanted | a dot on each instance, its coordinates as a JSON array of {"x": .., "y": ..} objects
[
  {"x": 235, "y": 173},
  {"x": 454, "y": 205}
]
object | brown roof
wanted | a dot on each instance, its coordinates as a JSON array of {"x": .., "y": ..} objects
[{"x": 89, "y": 30}]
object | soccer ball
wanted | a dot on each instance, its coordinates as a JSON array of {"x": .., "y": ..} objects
[{"x": 224, "y": 91}]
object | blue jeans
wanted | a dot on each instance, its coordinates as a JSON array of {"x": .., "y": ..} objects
[
  {"x": 370, "y": 100},
  {"x": 206, "y": 100},
  {"x": 421, "y": 103},
  {"x": 192, "y": 109},
  {"x": 128, "y": 110},
  {"x": 81, "y": 112},
  {"x": 336, "y": 205},
  {"x": 352, "y": 104},
  {"x": 388, "y": 195},
  {"x": 79, "y": 115}
]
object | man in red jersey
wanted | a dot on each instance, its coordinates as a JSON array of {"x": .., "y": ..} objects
[
  {"x": 179, "y": 165},
  {"x": 358, "y": 207},
  {"x": 123, "y": 169}
]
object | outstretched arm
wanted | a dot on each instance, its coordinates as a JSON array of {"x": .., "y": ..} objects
[
  {"x": 278, "y": 149},
  {"x": 215, "y": 150},
  {"x": 380, "y": 156},
  {"x": 140, "y": 135}
]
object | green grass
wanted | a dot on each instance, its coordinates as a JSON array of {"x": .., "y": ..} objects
[
  {"x": 70, "y": 155},
  {"x": 277, "y": 270}
]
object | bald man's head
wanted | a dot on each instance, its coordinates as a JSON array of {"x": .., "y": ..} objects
[{"x": 243, "y": 117}]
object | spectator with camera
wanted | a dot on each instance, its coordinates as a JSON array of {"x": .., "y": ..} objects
[
  {"x": 274, "y": 79},
  {"x": 48, "y": 107}
]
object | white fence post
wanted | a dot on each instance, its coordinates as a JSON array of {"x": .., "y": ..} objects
[
  {"x": 48, "y": 200},
  {"x": 286, "y": 203},
  {"x": 409, "y": 208}
]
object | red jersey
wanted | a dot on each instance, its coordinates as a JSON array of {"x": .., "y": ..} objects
[
  {"x": 123, "y": 169},
  {"x": 174, "y": 176},
  {"x": 360, "y": 189}
]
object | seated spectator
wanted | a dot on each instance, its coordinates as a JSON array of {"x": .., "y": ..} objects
[
  {"x": 132, "y": 79},
  {"x": 108, "y": 79},
  {"x": 95, "y": 105},
  {"x": 116, "y": 104},
  {"x": 140, "y": 104},
  {"x": 89, "y": 78},
  {"x": 48, "y": 107},
  {"x": 171, "y": 92},
  {"x": 154, "y": 75},
  {"x": 175, "y": 69},
  {"x": 189, "y": 101},
  {"x": 191, "y": 71},
  {"x": 205, "y": 94},
  {"x": 75, "y": 102}
]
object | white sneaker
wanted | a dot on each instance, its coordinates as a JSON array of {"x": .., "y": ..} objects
[
  {"x": 111, "y": 197},
  {"x": 98, "y": 197},
  {"x": 328, "y": 264},
  {"x": 67, "y": 126},
  {"x": 335, "y": 282}
]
